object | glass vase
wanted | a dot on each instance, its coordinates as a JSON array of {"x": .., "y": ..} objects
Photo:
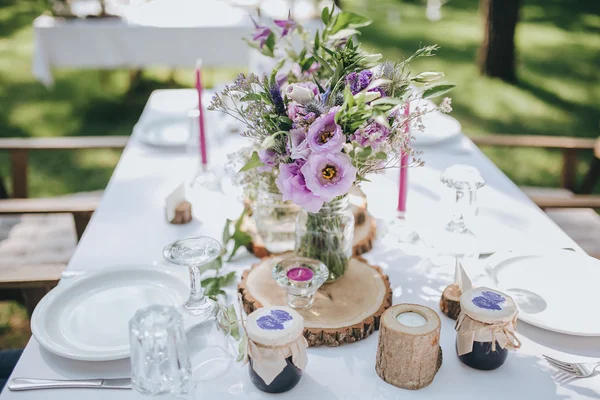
[
  {"x": 275, "y": 221},
  {"x": 327, "y": 236}
]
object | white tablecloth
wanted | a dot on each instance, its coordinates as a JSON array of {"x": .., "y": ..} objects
[
  {"x": 171, "y": 34},
  {"x": 129, "y": 227}
]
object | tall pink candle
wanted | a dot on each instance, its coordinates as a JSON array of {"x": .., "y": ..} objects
[
  {"x": 403, "y": 186},
  {"x": 203, "y": 156}
]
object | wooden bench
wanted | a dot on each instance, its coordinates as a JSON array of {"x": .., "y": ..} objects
[
  {"x": 570, "y": 207},
  {"x": 38, "y": 236}
]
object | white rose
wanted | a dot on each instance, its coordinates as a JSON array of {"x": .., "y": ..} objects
[{"x": 299, "y": 93}]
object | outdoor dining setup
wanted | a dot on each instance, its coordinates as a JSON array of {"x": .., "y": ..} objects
[{"x": 318, "y": 228}]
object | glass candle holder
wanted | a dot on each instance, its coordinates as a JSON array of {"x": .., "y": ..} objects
[{"x": 301, "y": 278}]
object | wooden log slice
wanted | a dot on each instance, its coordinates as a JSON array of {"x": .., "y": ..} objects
[
  {"x": 364, "y": 236},
  {"x": 409, "y": 356},
  {"x": 343, "y": 312},
  {"x": 450, "y": 301}
]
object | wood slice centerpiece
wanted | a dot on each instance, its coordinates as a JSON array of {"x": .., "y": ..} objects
[
  {"x": 409, "y": 353},
  {"x": 343, "y": 312},
  {"x": 450, "y": 301}
]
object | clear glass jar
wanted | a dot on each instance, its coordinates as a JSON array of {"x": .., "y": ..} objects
[
  {"x": 275, "y": 221},
  {"x": 327, "y": 236}
]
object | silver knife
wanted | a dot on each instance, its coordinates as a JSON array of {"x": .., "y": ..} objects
[{"x": 17, "y": 384}]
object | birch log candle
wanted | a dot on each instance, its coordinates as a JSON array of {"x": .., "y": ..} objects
[{"x": 409, "y": 354}]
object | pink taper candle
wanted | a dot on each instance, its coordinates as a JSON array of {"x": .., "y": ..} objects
[
  {"x": 403, "y": 186},
  {"x": 203, "y": 156}
]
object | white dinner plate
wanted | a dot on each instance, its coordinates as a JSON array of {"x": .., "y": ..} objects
[
  {"x": 439, "y": 128},
  {"x": 168, "y": 132},
  {"x": 555, "y": 290},
  {"x": 87, "y": 317}
]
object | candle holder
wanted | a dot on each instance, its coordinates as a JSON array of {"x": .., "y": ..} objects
[{"x": 301, "y": 278}]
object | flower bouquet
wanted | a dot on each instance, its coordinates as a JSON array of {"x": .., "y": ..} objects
[{"x": 327, "y": 116}]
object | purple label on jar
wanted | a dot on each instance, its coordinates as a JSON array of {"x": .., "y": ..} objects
[
  {"x": 274, "y": 320},
  {"x": 489, "y": 300}
]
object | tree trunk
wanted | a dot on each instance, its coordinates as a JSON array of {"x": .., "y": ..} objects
[{"x": 497, "y": 53}]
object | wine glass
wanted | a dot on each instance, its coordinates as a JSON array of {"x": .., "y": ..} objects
[
  {"x": 206, "y": 321},
  {"x": 456, "y": 239}
]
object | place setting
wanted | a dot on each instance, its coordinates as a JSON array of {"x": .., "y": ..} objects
[{"x": 315, "y": 252}]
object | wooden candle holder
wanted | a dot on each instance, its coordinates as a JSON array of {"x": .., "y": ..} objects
[
  {"x": 450, "y": 301},
  {"x": 408, "y": 357}
]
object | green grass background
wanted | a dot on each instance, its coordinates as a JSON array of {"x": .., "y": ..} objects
[{"x": 558, "y": 92}]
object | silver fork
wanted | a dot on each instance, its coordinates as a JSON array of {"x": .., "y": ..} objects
[{"x": 580, "y": 370}]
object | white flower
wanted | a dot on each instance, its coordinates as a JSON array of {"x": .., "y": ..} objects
[
  {"x": 299, "y": 93},
  {"x": 446, "y": 105}
]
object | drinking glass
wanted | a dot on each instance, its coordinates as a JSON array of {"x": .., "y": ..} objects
[
  {"x": 456, "y": 239},
  {"x": 159, "y": 353},
  {"x": 207, "y": 323}
]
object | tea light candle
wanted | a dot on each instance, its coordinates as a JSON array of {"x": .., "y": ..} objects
[
  {"x": 300, "y": 274},
  {"x": 411, "y": 319}
]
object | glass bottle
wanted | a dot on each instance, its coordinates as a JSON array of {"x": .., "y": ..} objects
[
  {"x": 275, "y": 220},
  {"x": 276, "y": 348},
  {"x": 327, "y": 236},
  {"x": 486, "y": 328}
]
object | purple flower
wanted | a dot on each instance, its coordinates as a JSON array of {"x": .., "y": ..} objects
[
  {"x": 261, "y": 34},
  {"x": 275, "y": 93},
  {"x": 299, "y": 147},
  {"x": 324, "y": 135},
  {"x": 329, "y": 175},
  {"x": 292, "y": 185},
  {"x": 269, "y": 158},
  {"x": 288, "y": 25},
  {"x": 372, "y": 135},
  {"x": 294, "y": 110},
  {"x": 358, "y": 81}
]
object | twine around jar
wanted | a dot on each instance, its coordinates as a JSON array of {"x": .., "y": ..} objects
[{"x": 502, "y": 332}]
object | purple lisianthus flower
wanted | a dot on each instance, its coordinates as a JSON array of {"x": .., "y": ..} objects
[
  {"x": 324, "y": 135},
  {"x": 372, "y": 135},
  {"x": 295, "y": 110},
  {"x": 292, "y": 185},
  {"x": 329, "y": 175},
  {"x": 299, "y": 147},
  {"x": 269, "y": 158},
  {"x": 288, "y": 25},
  {"x": 261, "y": 34}
]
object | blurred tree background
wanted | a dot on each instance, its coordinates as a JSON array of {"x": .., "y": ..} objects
[{"x": 556, "y": 90}]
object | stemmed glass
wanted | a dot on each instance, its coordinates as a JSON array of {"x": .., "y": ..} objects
[
  {"x": 206, "y": 321},
  {"x": 456, "y": 239}
]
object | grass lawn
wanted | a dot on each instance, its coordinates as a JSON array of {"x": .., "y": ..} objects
[{"x": 558, "y": 92}]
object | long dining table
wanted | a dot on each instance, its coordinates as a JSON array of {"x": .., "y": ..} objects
[{"x": 129, "y": 227}]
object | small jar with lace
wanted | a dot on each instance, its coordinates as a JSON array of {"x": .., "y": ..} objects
[{"x": 486, "y": 328}]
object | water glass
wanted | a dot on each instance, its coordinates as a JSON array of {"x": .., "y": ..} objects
[{"x": 160, "y": 362}]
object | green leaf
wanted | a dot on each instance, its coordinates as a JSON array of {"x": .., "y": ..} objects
[
  {"x": 242, "y": 349},
  {"x": 216, "y": 264},
  {"x": 387, "y": 100},
  {"x": 226, "y": 233},
  {"x": 317, "y": 40},
  {"x": 438, "y": 90},
  {"x": 323, "y": 63},
  {"x": 347, "y": 19},
  {"x": 239, "y": 239},
  {"x": 233, "y": 320},
  {"x": 361, "y": 178},
  {"x": 365, "y": 153},
  {"x": 270, "y": 43},
  {"x": 307, "y": 63},
  {"x": 227, "y": 279},
  {"x": 254, "y": 162},
  {"x": 325, "y": 15},
  {"x": 251, "y": 97},
  {"x": 381, "y": 155}
]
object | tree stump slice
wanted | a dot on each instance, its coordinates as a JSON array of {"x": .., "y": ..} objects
[
  {"x": 408, "y": 357},
  {"x": 450, "y": 301},
  {"x": 344, "y": 311},
  {"x": 364, "y": 236}
]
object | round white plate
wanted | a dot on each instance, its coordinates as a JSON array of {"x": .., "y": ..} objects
[
  {"x": 555, "y": 290},
  {"x": 172, "y": 132},
  {"x": 439, "y": 128},
  {"x": 87, "y": 317}
]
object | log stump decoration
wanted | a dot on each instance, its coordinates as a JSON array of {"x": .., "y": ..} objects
[
  {"x": 344, "y": 311},
  {"x": 450, "y": 301},
  {"x": 409, "y": 357}
]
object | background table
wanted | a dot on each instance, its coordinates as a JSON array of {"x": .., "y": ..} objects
[{"x": 129, "y": 227}]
